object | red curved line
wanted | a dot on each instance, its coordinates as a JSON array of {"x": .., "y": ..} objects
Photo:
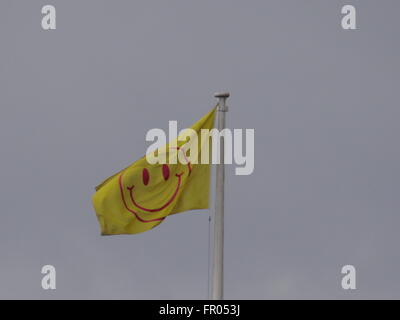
[
  {"x": 165, "y": 205},
  {"x": 130, "y": 210},
  {"x": 188, "y": 162}
]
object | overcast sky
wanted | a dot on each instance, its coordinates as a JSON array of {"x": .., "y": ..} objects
[{"x": 324, "y": 103}]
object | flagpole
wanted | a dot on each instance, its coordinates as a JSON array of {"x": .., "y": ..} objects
[{"x": 217, "y": 261}]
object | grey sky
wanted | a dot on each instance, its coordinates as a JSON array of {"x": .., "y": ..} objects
[{"x": 324, "y": 105}]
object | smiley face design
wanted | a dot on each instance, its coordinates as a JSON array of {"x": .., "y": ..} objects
[{"x": 138, "y": 192}]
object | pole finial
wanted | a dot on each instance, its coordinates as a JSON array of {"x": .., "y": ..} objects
[{"x": 222, "y": 95}]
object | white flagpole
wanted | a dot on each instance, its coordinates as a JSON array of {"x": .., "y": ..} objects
[{"x": 217, "y": 261}]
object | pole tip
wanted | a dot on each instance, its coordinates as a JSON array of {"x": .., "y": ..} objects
[{"x": 222, "y": 95}]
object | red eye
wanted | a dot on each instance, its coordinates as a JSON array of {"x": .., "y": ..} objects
[
  {"x": 146, "y": 176},
  {"x": 165, "y": 171}
]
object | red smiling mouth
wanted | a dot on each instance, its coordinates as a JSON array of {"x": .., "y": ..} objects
[
  {"x": 145, "y": 209},
  {"x": 165, "y": 205}
]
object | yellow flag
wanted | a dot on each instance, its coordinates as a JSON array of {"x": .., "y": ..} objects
[{"x": 141, "y": 196}]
